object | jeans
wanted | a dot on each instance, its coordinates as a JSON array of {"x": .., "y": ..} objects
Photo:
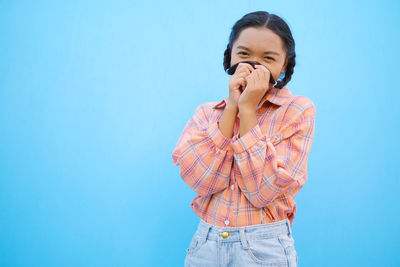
[{"x": 269, "y": 244}]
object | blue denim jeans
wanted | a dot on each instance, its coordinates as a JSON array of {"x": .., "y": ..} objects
[{"x": 269, "y": 244}]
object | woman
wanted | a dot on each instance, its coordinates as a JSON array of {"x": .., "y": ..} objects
[{"x": 246, "y": 156}]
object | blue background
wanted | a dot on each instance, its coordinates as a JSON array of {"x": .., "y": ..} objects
[{"x": 94, "y": 96}]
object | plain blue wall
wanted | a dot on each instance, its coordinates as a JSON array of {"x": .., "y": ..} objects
[{"x": 94, "y": 96}]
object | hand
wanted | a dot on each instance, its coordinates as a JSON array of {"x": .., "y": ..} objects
[
  {"x": 257, "y": 85},
  {"x": 237, "y": 80}
]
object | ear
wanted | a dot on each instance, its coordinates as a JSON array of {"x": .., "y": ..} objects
[{"x": 283, "y": 70}]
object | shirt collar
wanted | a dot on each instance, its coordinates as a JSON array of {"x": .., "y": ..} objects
[{"x": 274, "y": 95}]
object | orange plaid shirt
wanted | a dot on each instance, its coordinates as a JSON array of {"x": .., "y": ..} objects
[{"x": 250, "y": 179}]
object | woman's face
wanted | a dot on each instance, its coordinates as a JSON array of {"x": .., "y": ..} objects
[{"x": 262, "y": 45}]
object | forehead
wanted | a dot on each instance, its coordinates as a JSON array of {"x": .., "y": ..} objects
[{"x": 259, "y": 39}]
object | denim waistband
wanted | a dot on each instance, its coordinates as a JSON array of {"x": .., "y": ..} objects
[{"x": 243, "y": 233}]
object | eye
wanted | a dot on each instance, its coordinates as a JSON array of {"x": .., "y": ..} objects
[
  {"x": 270, "y": 58},
  {"x": 242, "y": 53}
]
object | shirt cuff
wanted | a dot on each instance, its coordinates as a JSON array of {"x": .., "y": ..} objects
[
  {"x": 220, "y": 140},
  {"x": 248, "y": 140}
]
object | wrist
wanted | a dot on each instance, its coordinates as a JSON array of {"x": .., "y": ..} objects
[
  {"x": 245, "y": 110},
  {"x": 233, "y": 106}
]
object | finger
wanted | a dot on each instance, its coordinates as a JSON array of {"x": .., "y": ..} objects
[
  {"x": 262, "y": 74},
  {"x": 245, "y": 66},
  {"x": 249, "y": 78},
  {"x": 264, "y": 77},
  {"x": 265, "y": 73},
  {"x": 250, "y": 68},
  {"x": 263, "y": 68},
  {"x": 243, "y": 74},
  {"x": 258, "y": 75},
  {"x": 261, "y": 77},
  {"x": 243, "y": 83},
  {"x": 239, "y": 81},
  {"x": 246, "y": 73}
]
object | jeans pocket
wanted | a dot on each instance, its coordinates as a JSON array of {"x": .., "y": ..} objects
[
  {"x": 195, "y": 244},
  {"x": 268, "y": 251},
  {"x": 287, "y": 242}
]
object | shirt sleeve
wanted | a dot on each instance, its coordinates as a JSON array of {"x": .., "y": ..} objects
[
  {"x": 204, "y": 154},
  {"x": 273, "y": 165}
]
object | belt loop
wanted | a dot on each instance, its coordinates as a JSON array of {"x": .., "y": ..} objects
[
  {"x": 243, "y": 239},
  {"x": 288, "y": 226},
  {"x": 208, "y": 227}
]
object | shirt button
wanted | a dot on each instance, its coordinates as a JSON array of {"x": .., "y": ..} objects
[
  {"x": 232, "y": 187},
  {"x": 226, "y": 222}
]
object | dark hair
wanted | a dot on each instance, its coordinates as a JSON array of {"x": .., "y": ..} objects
[{"x": 272, "y": 22}]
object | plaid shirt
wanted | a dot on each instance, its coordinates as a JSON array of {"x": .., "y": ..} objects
[{"x": 250, "y": 179}]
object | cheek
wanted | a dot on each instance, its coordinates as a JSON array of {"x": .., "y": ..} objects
[
  {"x": 234, "y": 60},
  {"x": 275, "y": 73},
  {"x": 274, "y": 70}
]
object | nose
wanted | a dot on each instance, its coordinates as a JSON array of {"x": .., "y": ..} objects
[{"x": 254, "y": 59}]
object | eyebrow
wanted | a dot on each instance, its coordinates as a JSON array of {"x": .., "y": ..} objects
[{"x": 267, "y": 52}]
